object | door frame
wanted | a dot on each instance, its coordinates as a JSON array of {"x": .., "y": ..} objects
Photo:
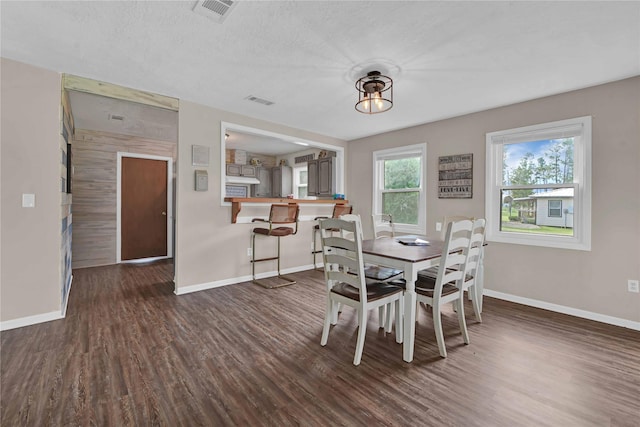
[{"x": 169, "y": 161}]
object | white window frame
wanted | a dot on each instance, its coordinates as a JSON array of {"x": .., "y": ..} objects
[
  {"x": 417, "y": 150},
  {"x": 296, "y": 180},
  {"x": 580, "y": 129}
]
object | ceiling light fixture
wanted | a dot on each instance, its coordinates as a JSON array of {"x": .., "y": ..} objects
[{"x": 375, "y": 93}]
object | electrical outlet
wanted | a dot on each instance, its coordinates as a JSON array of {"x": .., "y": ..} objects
[
  {"x": 633, "y": 286},
  {"x": 438, "y": 226},
  {"x": 249, "y": 252}
]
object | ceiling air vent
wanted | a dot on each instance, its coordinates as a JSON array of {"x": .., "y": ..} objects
[
  {"x": 259, "y": 100},
  {"x": 217, "y": 10},
  {"x": 116, "y": 117}
]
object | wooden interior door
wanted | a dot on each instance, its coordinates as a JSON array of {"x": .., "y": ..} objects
[{"x": 143, "y": 209}]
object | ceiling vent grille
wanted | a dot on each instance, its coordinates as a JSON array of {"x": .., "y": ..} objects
[
  {"x": 217, "y": 10},
  {"x": 259, "y": 100}
]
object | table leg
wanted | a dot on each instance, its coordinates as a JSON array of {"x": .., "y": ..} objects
[{"x": 409, "y": 315}]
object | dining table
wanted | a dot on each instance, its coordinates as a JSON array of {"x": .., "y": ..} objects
[{"x": 390, "y": 252}]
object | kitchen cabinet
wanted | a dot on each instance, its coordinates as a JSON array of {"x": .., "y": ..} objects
[
  {"x": 281, "y": 181},
  {"x": 241, "y": 170},
  {"x": 322, "y": 177},
  {"x": 264, "y": 188}
]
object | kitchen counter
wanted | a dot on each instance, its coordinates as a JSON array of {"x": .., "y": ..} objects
[{"x": 236, "y": 203}]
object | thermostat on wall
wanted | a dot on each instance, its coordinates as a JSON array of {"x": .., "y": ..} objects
[{"x": 202, "y": 180}]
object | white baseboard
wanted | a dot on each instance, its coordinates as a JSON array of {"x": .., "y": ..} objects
[
  {"x": 30, "y": 320},
  {"x": 565, "y": 310},
  {"x": 234, "y": 280}
]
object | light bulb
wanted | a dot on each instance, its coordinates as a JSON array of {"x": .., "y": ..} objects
[
  {"x": 377, "y": 100},
  {"x": 365, "y": 104}
]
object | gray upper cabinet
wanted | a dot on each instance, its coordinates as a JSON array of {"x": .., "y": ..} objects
[
  {"x": 281, "y": 181},
  {"x": 322, "y": 177},
  {"x": 241, "y": 170},
  {"x": 264, "y": 188}
]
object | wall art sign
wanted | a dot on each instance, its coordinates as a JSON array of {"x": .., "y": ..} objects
[{"x": 455, "y": 176}]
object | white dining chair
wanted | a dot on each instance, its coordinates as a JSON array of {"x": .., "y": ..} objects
[
  {"x": 346, "y": 283},
  {"x": 338, "y": 209},
  {"x": 474, "y": 260},
  {"x": 382, "y": 225},
  {"x": 375, "y": 273},
  {"x": 451, "y": 218},
  {"x": 447, "y": 286}
]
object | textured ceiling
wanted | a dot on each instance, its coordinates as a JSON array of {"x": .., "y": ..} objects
[{"x": 446, "y": 58}]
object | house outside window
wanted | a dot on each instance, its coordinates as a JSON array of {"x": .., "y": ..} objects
[
  {"x": 539, "y": 185},
  {"x": 300, "y": 182},
  {"x": 400, "y": 186}
]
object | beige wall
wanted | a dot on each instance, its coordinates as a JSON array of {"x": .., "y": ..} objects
[
  {"x": 594, "y": 281},
  {"x": 31, "y": 276},
  {"x": 209, "y": 248}
]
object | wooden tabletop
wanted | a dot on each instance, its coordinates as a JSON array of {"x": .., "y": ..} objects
[{"x": 391, "y": 248}]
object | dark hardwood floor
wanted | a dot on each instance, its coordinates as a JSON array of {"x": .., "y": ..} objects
[{"x": 130, "y": 352}]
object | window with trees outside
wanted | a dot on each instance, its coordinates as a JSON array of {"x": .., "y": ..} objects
[
  {"x": 399, "y": 186},
  {"x": 539, "y": 185}
]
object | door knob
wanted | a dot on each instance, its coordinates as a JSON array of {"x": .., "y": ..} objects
[{"x": 164, "y": 213}]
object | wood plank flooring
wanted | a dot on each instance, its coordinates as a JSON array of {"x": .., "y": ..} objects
[{"x": 130, "y": 352}]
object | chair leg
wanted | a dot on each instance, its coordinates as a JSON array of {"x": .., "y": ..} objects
[
  {"x": 288, "y": 280},
  {"x": 335, "y": 310},
  {"x": 437, "y": 326},
  {"x": 461, "y": 319},
  {"x": 315, "y": 249},
  {"x": 381, "y": 317},
  {"x": 253, "y": 256},
  {"x": 475, "y": 301},
  {"x": 328, "y": 317},
  {"x": 399, "y": 320},
  {"x": 362, "y": 329},
  {"x": 389, "y": 310}
]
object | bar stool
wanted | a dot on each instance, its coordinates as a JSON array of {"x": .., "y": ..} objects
[
  {"x": 338, "y": 210},
  {"x": 279, "y": 214}
]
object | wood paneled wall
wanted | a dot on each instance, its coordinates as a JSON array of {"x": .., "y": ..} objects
[
  {"x": 94, "y": 191},
  {"x": 66, "y": 134}
]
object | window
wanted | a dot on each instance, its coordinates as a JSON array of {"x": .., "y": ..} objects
[
  {"x": 538, "y": 185},
  {"x": 399, "y": 176},
  {"x": 300, "y": 182},
  {"x": 555, "y": 208}
]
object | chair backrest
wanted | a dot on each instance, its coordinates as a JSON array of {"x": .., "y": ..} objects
[
  {"x": 339, "y": 210},
  {"x": 382, "y": 225},
  {"x": 284, "y": 214},
  {"x": 343, "y": 261},
  {"x": 453, "y": 261},
  {"x": 352, "y": 218},
  {"x": 476, "y": 243},
  {"x": 451, "y": 218}
]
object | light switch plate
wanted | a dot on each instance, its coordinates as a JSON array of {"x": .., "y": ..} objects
[
  {"x": 28, "y": 200},
  {"x": 438, "y": 226}
]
